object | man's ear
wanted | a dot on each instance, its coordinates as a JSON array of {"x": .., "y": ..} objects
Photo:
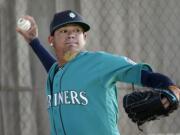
[
  {"x": 85, "y": 35},
  {"x": 51, "y": 40}
]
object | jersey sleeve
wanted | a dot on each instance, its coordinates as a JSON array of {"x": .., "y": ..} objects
[
  {"x": 120, "y": 68},
  {"x": 44, "y": 56},
  {"x": 132, "y": 73}
]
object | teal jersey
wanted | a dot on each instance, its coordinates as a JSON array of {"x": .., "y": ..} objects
[{"x": 82, "y": 95}]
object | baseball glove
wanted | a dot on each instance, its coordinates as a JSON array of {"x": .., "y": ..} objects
[{"x": 143, "y": 106}]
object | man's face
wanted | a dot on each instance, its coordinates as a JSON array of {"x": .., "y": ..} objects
[{"x": 69, "y": 38}]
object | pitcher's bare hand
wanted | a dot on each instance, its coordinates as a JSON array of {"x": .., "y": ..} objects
[{"x": 30, "y": 34}]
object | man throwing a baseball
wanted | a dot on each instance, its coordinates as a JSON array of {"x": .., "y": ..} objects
[{"x": 81, "y": 85}]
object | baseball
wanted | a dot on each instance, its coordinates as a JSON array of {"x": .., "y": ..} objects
[{"x": 23, "y": 24}]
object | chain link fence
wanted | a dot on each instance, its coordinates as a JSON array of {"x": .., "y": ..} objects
[{"x": 143, "y": 30}]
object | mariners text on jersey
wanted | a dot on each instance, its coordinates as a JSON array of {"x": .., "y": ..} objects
[{"x": 67, "y": 97}]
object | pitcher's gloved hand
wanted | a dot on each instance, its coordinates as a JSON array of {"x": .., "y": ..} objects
[{"x": 149, "y": 105}]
